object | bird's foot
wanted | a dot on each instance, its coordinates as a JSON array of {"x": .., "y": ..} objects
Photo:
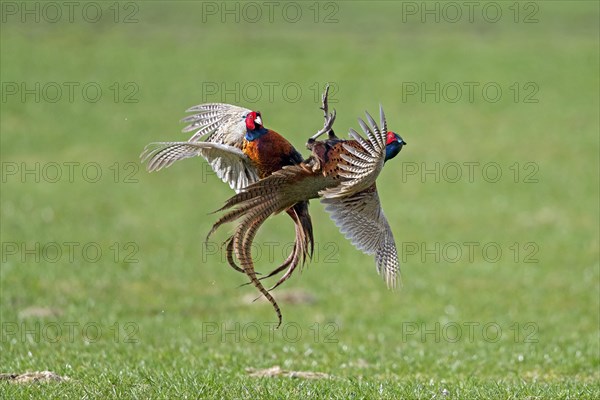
[
  {"x": 329, "y": 119},
  {"x": 327, "y": 128}
]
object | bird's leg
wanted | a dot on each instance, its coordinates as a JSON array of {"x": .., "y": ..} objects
[
  {"x": 324, "y": 103},
  {"x": 329, "y": 120},
  {"x": 327, "y": 128}
]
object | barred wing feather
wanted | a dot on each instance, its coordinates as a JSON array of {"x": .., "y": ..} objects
[
  {"x": 361, "y": 167},
  {"x": 223, "y": 123},
  {"x": 360, "y": 218},
  {"x": 230, "y": 164},
  {"x": 224, "y": 127}
]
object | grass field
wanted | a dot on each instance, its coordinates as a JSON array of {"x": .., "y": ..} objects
[{"x": 493, "y": 203}]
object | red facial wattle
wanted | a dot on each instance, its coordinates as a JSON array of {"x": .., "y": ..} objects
[
  {"x": 250, "y": 125},
  {"x": 254, "y": 126},
  {"x": 391, "y": 138}
]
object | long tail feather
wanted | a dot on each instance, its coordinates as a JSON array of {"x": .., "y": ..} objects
[
  {"x": 291, "y": 257},
  {"x": 257, "y": 202},
  {"x": 242, "y": 244},
  {"x": 303, "y": 245}
]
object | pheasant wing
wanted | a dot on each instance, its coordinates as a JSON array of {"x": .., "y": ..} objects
[
  {"x": 223, "y": 123},
  {"x": 224, "y": 127},
  {"x": 363, "y": 162},
  {"x": 360, "y": 218},
  {"x": 230, "y": 164}
]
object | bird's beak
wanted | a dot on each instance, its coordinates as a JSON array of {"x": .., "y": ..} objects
[{"x": 258, "y": 121}]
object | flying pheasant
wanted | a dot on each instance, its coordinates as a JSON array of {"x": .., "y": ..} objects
[
  {"x": 241, "y": 151},
  {"x": 342, "y": 173}
]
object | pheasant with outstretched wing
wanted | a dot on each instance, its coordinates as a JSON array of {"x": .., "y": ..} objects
[{"x": 241, "y": 151}]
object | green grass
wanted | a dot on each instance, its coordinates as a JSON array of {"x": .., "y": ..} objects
[{"x": 168, "y": 313}]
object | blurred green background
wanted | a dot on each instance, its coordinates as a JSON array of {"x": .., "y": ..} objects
[{"x": 158, "y": 314}]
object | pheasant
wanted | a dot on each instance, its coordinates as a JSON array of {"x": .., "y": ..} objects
[
  {"x": 241, "y": 151},
  {"x": 342, "y": 173}
]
